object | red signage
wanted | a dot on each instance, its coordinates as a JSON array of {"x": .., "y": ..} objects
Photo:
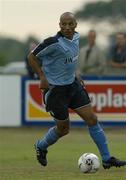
[{"x": 108, "y": 98}]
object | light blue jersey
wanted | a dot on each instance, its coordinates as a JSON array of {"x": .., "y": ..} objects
[{"x": 58, "y": 56}]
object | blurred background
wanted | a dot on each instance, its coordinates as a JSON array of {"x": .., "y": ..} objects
[
  {"x": 25, "y": 21},
  {"x": 23, "y": 119}
]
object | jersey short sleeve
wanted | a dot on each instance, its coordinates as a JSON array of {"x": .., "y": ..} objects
[{"x": 46, "y": 47}]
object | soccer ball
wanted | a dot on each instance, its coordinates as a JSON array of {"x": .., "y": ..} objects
[{"x": 88, "y": 163}]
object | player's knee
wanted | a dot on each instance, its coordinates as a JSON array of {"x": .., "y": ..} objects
[
  {"x": 62, "y": 131},
  {"x": 92, "y": 120},
  {"x": 65, "y": 132},
  {"x": 62, "y": 128}
]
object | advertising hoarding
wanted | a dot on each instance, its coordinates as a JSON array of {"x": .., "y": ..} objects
[{"x": 108, "y": 98}]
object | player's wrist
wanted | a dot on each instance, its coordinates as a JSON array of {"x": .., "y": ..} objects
[{"x": 41, "y": 75}]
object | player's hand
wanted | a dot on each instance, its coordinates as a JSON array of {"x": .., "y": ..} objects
[
  {"x": 43, "y": 83},
  {"x": 78, "y": 76},
  {"x": 82, "y": 82}
]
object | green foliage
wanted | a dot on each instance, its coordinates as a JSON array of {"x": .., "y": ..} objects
[
  {"x": 103, "y": 10},
  {"x": 2, "y": 59},
  {"x": 13, "y": 50}
]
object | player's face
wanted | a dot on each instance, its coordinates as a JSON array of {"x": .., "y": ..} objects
[{"x": 67, "y": 26}]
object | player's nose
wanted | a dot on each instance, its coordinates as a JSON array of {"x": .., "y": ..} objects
[{"x": 67, "y": 27}]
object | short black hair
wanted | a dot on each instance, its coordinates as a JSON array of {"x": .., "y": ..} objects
[{"x": 67, "y": 13}]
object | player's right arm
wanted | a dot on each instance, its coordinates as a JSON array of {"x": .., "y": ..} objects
[
  {"x": 34, "y": 63},
  {"x": 38, "y": 54}
]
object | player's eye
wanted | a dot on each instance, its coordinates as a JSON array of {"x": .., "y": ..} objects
[
  {"x": 64, "y": 24},
  {"x": 71, "y": 24}
]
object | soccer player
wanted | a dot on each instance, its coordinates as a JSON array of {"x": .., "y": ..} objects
[{"x": 62, "y": 89}]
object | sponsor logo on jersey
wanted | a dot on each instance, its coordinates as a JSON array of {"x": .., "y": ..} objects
[{"x": 70, "y": 59}]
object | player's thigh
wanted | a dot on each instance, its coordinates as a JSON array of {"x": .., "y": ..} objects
[
  {"x": 56, "y": 103},
  {"x": 80, "y": 98},
  {"x": 87, "y": 114}
]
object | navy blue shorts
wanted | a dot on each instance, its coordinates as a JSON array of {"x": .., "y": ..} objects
[{"x": 59, "y": 98}]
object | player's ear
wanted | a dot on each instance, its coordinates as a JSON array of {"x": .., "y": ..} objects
[
  {"x": 59, "y": 24},
  {"x": 75, "y": 24}
]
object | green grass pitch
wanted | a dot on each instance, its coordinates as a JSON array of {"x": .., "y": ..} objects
[{"x": 18, "y": 159}]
